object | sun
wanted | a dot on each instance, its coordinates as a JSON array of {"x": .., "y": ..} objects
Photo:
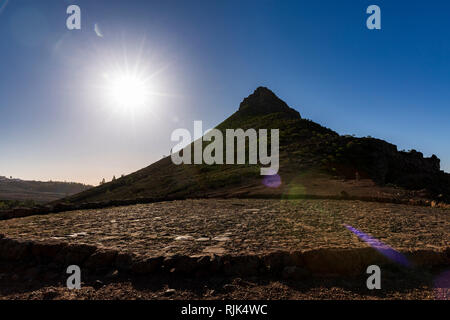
[
  {"x": 127, "y": 91},
  {"x": 131, "y": 83}
]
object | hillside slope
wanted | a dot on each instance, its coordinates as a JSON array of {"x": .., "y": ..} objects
[
  {"x": 37, "y": 191},
  {"x": 313, "y": 160}
]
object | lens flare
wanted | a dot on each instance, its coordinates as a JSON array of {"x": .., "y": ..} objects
[
  {"x": 384, "y": 249},
  {"x": 442, "y": 286},
  {"x": 273, "y": 181},
  {"x": 128, "y": 91}
]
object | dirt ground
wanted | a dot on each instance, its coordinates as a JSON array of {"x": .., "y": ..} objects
[
  {"x": 235, "y": 227},
  {"x": 46, "y": 284},
  {"x": 239, "y": 226}
]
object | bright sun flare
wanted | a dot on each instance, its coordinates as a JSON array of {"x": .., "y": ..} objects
[
  {"x": 127, "y": 91},
  {"x": 131, "y": 86}
]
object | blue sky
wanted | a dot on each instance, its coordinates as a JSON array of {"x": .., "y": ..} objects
[{"x": 203, "y": 58}]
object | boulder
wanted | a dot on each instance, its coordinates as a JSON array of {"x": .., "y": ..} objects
[
  {"x": 124, "y": 261},
  {"x": 294, "y": 273},
  {"x": 77, "y": 254},
  {"x": 242, "y": 265},
  {"x": 180, "y": 264},
  {"x": 101, "y": 259},
  {"x": 14, "y": 250},
  {"x": 46, "y": 252},
  {"x": 146, "y": 265},
  {"x": 276, "y": 261}
]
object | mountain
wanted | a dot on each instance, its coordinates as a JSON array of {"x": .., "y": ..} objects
[
  {"x": 314, "y": 160},
  {"x": 37, "y": 191}
]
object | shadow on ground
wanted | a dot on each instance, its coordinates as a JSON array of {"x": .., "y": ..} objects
[{"x": 49, "y": 282}]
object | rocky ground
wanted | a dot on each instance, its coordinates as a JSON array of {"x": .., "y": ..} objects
[
  {"x": 50, "y": 284},
  {"x": 191, "y": 227},
  {"x": 230, "y": 228}
]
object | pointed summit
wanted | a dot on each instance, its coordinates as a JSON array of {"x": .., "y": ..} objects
[
  {"x": 264, "y": 101},
  {"x": 311, "y": 156}
]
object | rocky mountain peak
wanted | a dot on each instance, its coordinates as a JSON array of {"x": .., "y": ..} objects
[{"x": 264, "y": 101}]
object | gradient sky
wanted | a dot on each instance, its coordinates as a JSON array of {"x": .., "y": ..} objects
[{"x": 205, "y": 57}]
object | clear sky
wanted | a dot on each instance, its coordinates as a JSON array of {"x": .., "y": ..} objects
[{"x": 200, "y": 59}]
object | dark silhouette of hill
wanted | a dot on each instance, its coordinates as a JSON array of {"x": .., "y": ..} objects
[
  {"x": 314, "y": 160},
  {"x": 37, "y": 191}
]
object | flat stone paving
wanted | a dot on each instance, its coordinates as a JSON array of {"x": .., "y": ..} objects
[{"x": 239, "y": 226}]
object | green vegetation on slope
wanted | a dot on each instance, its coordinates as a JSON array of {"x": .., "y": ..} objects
[{"x": 305, "y": 146}]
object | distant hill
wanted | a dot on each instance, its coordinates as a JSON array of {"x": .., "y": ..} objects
[
  {"x": 314, "y": 160},
  {"x": 37, "y": 191}
]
